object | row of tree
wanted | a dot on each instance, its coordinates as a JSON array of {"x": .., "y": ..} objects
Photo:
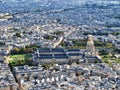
[{"x": 24, "y": 50}]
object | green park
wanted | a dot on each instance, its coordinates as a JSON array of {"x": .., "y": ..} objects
[{"x": 20, "y": 59}]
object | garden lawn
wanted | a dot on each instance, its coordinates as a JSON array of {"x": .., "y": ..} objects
[
  {"x": 20, "y": 56},
  {"x": 19, "y": 59}
]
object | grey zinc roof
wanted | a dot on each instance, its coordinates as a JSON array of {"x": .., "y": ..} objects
[
  {"x": 51, "y": 50},
  {"x": 73, "y": 50},
  {"x": 74, "y": 54}
]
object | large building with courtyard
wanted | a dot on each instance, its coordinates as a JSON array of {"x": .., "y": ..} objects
[{"x": 61, "y": 55}]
